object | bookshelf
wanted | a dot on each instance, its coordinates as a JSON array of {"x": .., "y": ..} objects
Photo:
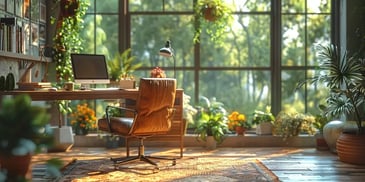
[{"x": 22, "y": 37}]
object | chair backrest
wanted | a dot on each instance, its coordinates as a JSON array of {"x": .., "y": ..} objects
[{"x": 154, "y": 106}]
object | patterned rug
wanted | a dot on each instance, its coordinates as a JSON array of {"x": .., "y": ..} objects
[{"x": 188, "y": 169}]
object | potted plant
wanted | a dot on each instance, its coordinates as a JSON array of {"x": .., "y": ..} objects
[
  {"x": 320, "y": 120},
  {"x": 212, "y": 122},
  {"x": 83, "y": 119},
  {"x": 263, "y": 121},
  {"x": 121, "y": 68},
  {"x": 22, "y": 134},
  {"x": 344, "y": 76},
  {"x": 291, "y": 123},
  {"x": 213, "y": 16},
  {"x": 157, "y": 72},
  {"x": 237, "y": 122}
]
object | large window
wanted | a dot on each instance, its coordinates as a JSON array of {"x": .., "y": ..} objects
[{"x": 270, "y": 46}]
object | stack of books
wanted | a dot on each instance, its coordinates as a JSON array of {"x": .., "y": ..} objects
[{"x": 34, "y": 85}]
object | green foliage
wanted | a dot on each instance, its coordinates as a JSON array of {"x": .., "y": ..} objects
[
  {"x": 344, "y": 76},
  {"x": 67, "y": 41},
  {"x": 22, "y": 126},
  {"x": 291, "y": 123},
  {"x": 263, "y": 116},
  {"x": 215, "y": 26},
  {"x": 212, "y": 120},
  {"x": 320, "y": 120},
  {"x": 122, "y": 66}
]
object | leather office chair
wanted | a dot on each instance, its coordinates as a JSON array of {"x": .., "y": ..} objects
[{"x": 152, "y": 116}]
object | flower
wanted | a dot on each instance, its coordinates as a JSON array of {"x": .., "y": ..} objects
[
  {"x": 237, "y": 119},
  {"x": 84, "y": 117},
  {"x": 158, "y": 73}
]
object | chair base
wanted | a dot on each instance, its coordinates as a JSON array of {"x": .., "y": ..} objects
[{"x": 143, "y": 158}]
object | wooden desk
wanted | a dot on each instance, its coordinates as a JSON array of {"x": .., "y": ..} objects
[
  {"x": 76, "y": 95},
  {"x": 178, "y": 126}
]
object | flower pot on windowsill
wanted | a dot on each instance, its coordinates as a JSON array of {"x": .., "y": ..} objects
[
  {"x": 240, "y": 130},
  {"x": 211, "y": 143},
  {"x": 127, "y": 84},
  {"x": 264, "y": 128},
  {"x": 321, "y": 143}
]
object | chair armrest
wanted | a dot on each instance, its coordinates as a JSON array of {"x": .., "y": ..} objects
[{"x": 108, "y": 116}]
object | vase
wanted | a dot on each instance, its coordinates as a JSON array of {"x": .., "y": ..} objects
[
  {"x": 240, "y": 130},
  {"x": 81, "y": 131},
  {"x": 351, "y": 147},
  {"x": 331, "y": 132}
]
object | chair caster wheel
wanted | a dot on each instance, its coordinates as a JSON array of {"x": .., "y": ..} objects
[
  {"x": 173, "y": 163},
  {"x": 156, "y": 170}
]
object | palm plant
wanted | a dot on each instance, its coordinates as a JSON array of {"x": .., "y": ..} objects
[{"x": 344, "y": 76}]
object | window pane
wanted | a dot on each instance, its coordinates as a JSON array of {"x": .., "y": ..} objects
[
  {"x": 238, "y": 90},
  {"x": 146, "y": 42},
  {"x": 250, "y": 5},
  {"x": 290, "y": 98},
  {"x": 319, "y": 30},
  {"x": 312, "y": 94},
  {"x": 319, "y": 6},
  {"x": 290, "y": 6},
  {"x": 109, "y": 6},
  {"x": 249, "y": 44},
  {"x": 101, "y": 34},
  {"x": 158, "y": 5},
  {"x": 293, "y": 45}
]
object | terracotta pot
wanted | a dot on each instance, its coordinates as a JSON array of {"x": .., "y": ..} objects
[
  {"x": 209, "y": 14},
  {"x": 350, "y": 148},
  {"x": 16, "y": 166},
  {"x": 240, "y": 130},
  {"x": 321, "y": 143}
]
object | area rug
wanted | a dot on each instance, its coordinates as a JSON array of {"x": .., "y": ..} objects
[{"x": 195, "y": 169}]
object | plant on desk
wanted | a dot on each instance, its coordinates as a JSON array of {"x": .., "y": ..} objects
[
  {"x": 121, "y": 67},
  {"x": 83, "y": 119}
]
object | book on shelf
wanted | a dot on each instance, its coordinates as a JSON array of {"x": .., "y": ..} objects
[{"x": 11, "y": 35}]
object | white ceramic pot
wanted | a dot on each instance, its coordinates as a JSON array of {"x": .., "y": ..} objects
[
  {"x": 264, "y": 128},
  {"x": 331, "y": 131}
]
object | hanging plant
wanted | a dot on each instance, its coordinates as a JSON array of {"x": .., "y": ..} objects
[
  {"x": 67, "y": 41},
  {"x": 212, "y": 16},
  {"x": 68, "y": 8}
]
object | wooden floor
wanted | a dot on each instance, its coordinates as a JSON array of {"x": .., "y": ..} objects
[{"x": 288, "y": 164}]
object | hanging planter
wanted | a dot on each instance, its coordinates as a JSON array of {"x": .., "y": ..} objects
[
  {"x": 212, "y": 17},
  {"x": 68, "y": 8},
  {"x": 209, "y": 14}
]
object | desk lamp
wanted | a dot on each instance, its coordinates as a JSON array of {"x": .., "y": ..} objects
[{"x": 167, "y": 51}]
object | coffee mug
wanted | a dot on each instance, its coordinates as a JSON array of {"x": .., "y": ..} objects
[{"x": 69, "y": 86}]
